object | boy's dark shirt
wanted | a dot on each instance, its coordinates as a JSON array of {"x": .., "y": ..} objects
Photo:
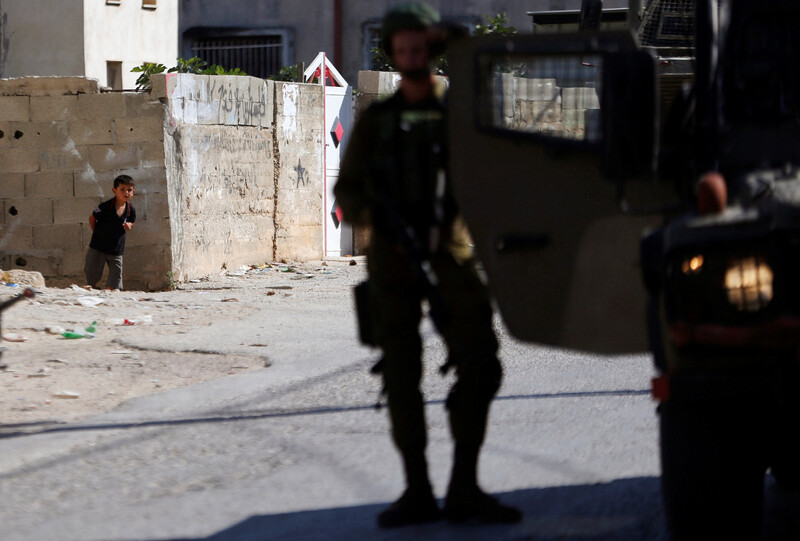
[{"x": 109, "y": 235}]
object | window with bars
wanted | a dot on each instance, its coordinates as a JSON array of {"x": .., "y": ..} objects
[
  {"x": 372, "y": 39},
  {"x": 257, "y": 54}
]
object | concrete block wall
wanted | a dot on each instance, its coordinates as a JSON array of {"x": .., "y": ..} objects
[
  {"x": 541, "y": 105},
  {"x": 245, "y": 169},
  {"x": 299, "y": 147},
  {"x": 221, "y": 181},
  {"x": 61, "y": 145}
]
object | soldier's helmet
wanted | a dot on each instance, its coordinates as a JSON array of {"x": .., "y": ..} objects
[{"x": 406, "y": 16}]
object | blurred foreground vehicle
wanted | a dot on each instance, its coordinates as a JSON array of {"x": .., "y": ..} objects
[{"x": 576, "y": 159}]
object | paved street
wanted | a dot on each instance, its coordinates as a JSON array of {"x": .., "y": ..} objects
[{"x": 298, "y": 451}]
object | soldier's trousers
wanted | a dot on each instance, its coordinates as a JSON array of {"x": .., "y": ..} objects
[{"x": 466, "y": 326}]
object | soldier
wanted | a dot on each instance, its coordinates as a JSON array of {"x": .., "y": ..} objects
[{"x": 393, "y": 178}]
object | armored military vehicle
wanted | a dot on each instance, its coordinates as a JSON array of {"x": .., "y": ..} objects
[{"x": 584, "y": 213}]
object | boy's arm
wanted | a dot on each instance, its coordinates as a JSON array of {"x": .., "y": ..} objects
[
  {"x": 92, "y": 221},
  {"x": 131, "y": 219}
]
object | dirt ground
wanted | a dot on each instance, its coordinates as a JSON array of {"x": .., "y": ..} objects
[{"x": 51, "y": 379}]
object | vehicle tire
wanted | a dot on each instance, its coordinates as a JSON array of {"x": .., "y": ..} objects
[{"x": 712, "y": 471}]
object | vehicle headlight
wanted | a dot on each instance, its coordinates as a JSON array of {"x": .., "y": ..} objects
[{"x": 748, "y": 283}]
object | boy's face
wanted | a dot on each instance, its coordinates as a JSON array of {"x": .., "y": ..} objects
[{"x": 123, "y": 192}]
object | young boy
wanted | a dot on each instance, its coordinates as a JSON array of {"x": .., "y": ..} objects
[{"x": 109, "y": 222}]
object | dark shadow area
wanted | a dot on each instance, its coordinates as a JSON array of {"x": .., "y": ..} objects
[
  {"x": 622, "y": 510},
  {"x": 271, "y": 413}
]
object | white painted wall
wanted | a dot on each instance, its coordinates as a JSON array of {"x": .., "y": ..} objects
[
  {"x": 41, "y": 37},
  {"x": 129, "y": 34}
]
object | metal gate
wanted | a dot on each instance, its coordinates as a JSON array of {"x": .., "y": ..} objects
[{"x": 338, "y": 235}]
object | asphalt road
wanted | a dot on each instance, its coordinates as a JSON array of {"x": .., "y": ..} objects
[{"x": 298, "y": 451}]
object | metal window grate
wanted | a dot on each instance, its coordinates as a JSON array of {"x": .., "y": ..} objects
[
  {"x": 257, "y": 56},
  {"x": 668, "y": 23}
]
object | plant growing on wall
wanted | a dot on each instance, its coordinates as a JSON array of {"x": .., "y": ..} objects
[
  {"x": 287, "y": 73},
  {"x": 495, "y": 26},
  {"x": 192, "y": 65}
]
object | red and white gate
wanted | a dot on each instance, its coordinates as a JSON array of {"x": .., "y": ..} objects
[{"x": 338, "y": 96}]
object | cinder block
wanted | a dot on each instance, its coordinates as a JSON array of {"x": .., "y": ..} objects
[
  {"x": 579, "y": 98},
  {"x": 89, "y": 183},
  {"x": 91, "y": 132},
  {"x": 146, "y": 266},
  {"x": 47, "y": 108},
  {"x": 96, "y": 106},
  {"x": 147, "y": 233},
  {"x": 47, "y": 263},
  {"x": 203, "y": 85},
  {"x": 152, "y": 154},
  {"x": 48, "y": 86},
  {"x": 15, "y": 236},
  {"x": 64, "y": 236},
  {"x": 19, "y": 160},
  {"x": 189, "y": 111},
  {"x": 110, "y": 157},
  {"x": 29, "y": 211},
  {"x": 311, "y": 100},
  {"x": 183, "y": 110},
  {"x": 143, "y": 104},
  {"x": 162, "y": 85},
  {"x": 53, "y": 185},
  {"x": 134, "y": 130},
  {"x": 74, "y": 210},
  {"x": 256, "y": 114},
  {"x": 67, "y": 158},
  {"x": 15, "y": 108},
  {"x": 5, "y": 135},
  {"x": 228, "y": 113},
  {"x": 12, "y": 185},
  {"x": 208, "y": 111},
  {"x": 38, "y": 134},
  {"x": 185, "y": 86},
  {"x": 378, "y": 82},
  {"x": 257, "y": 90}
]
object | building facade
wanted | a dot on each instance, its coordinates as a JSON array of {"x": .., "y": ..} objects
[
  {"x": 261, "y": 36},
  {"x": 100, "y": 39}
]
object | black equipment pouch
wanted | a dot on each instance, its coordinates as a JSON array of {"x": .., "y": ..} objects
[{"x": 365, "y": 326}]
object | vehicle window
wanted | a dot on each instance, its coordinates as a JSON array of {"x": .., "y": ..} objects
[{"x": 555, "y": 96}]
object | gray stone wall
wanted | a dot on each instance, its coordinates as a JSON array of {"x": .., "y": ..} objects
[
  {"x": 245, "y": 170},
  {"x": 221, "y": 181},
  {"x": 542, "y": 105},
  {"x": 62, "y": 145}
]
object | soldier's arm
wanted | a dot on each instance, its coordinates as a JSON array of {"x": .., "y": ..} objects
[{"x": 351, "y": 188}]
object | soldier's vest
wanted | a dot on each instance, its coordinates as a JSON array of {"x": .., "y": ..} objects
[{"x": 408, "y": 169}]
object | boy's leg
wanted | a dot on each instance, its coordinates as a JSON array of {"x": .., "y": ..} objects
[
  {"x": 93, "y": 266},
  {"x": 114, "y": 271}
]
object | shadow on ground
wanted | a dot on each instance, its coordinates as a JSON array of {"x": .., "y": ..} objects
[
  {"x": 622, "y": 510},
  {"x": 627, "y": 509}
]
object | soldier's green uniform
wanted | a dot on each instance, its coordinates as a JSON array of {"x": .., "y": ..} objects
[{"x": 393, "y": 177}]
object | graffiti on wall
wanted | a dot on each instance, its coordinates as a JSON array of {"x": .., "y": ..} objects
[
  {"x": 3, "y": 39},
  {"x": 302, "y": 174}
]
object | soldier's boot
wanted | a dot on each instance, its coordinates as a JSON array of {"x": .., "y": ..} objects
[
  {"x": 466, "y": 501},
  {"x": 468, "y": 404},
  {"x": 417, "y": 504}
]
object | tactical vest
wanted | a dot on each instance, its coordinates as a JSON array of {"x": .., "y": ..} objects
[{"x": 408, "y": 171}]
